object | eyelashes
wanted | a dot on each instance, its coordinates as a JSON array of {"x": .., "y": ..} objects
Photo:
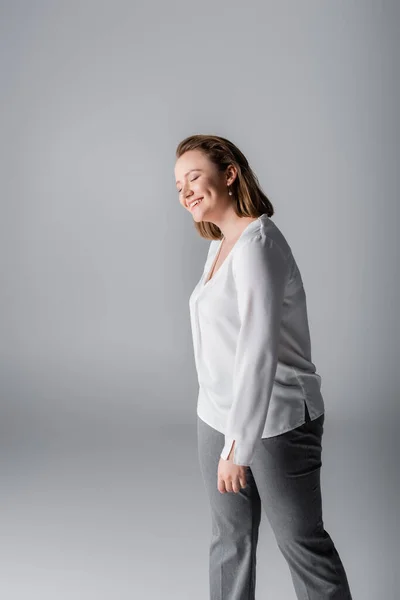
[{"x": 197, "y": 176}]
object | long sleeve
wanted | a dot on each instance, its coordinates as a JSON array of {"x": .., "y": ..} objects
[{"x": 260, "y": 271}]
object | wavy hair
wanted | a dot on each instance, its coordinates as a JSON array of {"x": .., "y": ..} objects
[{"x": 247, "y": 196}]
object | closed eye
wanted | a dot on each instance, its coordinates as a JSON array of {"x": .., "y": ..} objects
[{"x": 197, "y": 176}]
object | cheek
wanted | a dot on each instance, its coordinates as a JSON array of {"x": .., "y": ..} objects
[{"x": 207, "y": 186}]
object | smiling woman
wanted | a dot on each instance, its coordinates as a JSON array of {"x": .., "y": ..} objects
[
  {"x": 209, "y": 172},
  {"x": 260, "y": 409}
]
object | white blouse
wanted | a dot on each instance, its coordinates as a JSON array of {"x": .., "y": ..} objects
[{"x": 251, "y": 342}]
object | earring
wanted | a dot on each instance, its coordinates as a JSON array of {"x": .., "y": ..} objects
[{"x": 230, "y": 191}]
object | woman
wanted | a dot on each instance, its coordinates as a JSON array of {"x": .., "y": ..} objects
[{"x": 260, "y": 411}]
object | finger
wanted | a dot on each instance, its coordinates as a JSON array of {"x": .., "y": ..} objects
[
  {"x": 233, "y": 485},
  {"x": 239, "y": 484},
  {"x": 228, "y": 485},
  {"x": 221, "y": 485},
  {"x": 243, "y": 477}
]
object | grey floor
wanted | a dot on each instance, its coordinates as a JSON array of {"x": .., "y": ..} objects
[{"x": 106, "y": 507}]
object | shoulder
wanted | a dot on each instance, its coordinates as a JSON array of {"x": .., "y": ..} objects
[
  {"x": 261, "y": 247},
  {"x": 259, "y": 263}
]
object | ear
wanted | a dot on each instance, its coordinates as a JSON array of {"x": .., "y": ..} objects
[{"x": 231, "y": 174}]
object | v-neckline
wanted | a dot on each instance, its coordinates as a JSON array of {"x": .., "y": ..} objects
[
  {"x": 211, "y": 271},
  {"x": 246, "y": 230}
]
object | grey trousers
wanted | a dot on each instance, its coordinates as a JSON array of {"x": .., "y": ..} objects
[{"x": 284, "y": 479}]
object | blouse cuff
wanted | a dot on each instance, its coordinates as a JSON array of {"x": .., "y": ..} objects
[{"x": 242, "y": 452}]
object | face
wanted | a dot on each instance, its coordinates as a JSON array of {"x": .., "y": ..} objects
[{"x": 197, "y": 177}]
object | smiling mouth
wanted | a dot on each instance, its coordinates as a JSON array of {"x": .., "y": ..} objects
[{"x": 192, "y": 206}]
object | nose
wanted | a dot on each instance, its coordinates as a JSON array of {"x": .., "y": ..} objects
[{"x": 187, "y": 193}]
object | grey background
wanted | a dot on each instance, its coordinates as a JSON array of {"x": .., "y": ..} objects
[{"x": 101, "y": 494}]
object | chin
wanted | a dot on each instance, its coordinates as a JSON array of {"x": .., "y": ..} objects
[{"x": 198, "y": 215}]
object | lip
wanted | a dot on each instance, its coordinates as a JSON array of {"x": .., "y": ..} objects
[{"x": 194, "y": 199}]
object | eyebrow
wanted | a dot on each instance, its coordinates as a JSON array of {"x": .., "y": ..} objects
[{"x": 189, "y": 172}]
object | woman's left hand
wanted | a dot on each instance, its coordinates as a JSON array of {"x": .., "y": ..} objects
[{"x": 231, "y": 477}]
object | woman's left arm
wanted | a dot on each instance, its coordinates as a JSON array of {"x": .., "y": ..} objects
[{"x": 260, "y": 270}]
